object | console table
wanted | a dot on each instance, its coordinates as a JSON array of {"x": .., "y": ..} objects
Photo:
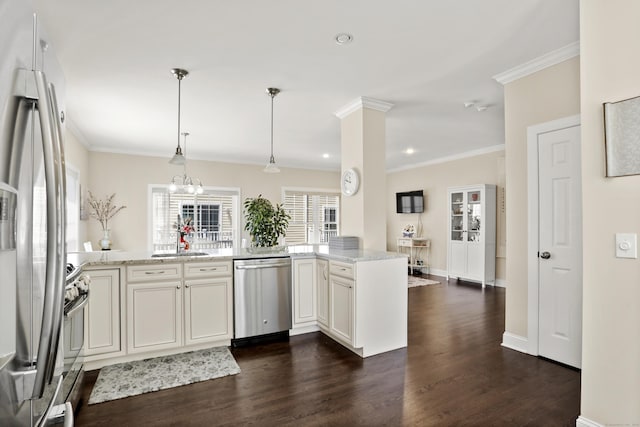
[{"x": 414, "y": 247}]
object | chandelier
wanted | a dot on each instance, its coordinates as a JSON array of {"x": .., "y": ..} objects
[{"x": 182, "y": 183}]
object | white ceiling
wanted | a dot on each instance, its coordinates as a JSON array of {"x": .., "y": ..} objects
[{"x": 427, "y": 57}]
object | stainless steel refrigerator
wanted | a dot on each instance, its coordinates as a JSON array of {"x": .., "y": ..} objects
[{"x": 32, "y": 218}]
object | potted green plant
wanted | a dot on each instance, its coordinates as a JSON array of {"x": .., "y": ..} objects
[{"x": 265, "y": 222}]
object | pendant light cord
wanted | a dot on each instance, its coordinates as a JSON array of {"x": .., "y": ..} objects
[
  {"x": 179, "y": 91},
  {"x": 272, "y": 96}
]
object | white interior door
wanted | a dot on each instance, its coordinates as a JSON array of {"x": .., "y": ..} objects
[{"x": 560, "y": 246}]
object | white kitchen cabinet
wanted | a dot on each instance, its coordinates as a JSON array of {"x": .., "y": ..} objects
[
  {"x": 167, "y": 310},
  {"x": 102, "y": 314},
  {"x": 341, "y": 311},
  {"x": 368, "y": 304},
  {"x": 154, "y": 315},
  {"x": 208, "y": 302},
  {"x": 341, "y": 300},
  {"x": 322, "y": 279},
  {"x": 471, "y": 249},
  {"x": 304, "y": 291}
]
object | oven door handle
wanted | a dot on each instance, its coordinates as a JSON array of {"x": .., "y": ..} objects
[{"x": 78, "y": 307}]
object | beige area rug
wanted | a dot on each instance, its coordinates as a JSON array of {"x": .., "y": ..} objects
[
  {"x": 419, "y": 281},
  {"x": 144, "y": 376}
]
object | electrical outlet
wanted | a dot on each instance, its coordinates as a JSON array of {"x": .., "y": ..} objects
[{"x": 626, "y": 245}]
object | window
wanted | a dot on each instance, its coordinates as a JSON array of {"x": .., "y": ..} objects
[
  {"x": 330, "y": 220},
  {"x": 73, "y": 209},
  {"x": 206, "y": 216},
  {"x": 314, "y": 215},
  {"x": 213, "y": 213}
]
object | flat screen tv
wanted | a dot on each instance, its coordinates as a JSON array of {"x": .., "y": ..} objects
[{"x": 410, "y": 202}]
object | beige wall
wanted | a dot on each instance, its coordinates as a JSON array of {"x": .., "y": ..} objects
[
  {"x": 129, "y": 176},
  {"x": 434, "y": 181},
  {"x": 547, "y": 95},
  {"x": 610, "y": 67}
]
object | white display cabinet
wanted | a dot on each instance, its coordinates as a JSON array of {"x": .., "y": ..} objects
[{"x": 471, "y": 251}]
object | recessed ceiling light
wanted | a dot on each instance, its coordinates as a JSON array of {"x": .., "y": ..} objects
[
  {"x": 325, "y": 156},
  {"x": 344, "y": 38},
  {"x": 482, "y": 107},
  {"x": 409, "y": 151}
]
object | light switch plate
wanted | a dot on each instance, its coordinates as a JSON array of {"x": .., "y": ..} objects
[{"x": 626, "y": 245}]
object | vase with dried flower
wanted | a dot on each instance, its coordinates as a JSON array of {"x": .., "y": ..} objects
[{"x": 103, "y": 210}]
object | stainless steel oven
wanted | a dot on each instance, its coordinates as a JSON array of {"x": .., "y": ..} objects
[{"x": 76, "y": 298}]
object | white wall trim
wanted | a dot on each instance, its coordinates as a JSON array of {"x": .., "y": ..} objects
[
  {"x": 547, "y": 60},
  {"x": 500, "y": 283},
  {"x": 472, "y": 153},
  {"x": 363, "y": 102},
  {"x": 437, "y": 272},
  {"x": 208, "y": 158},
  {"x": 586, "y": 422},
  {"x": 75, "y": 130},
  {"x": 514, "y": 342},
  {"x": 532, "y": 222}
]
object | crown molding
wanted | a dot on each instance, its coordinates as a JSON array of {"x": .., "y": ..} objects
[
  {"x": 363, "y": 102},
  {"x": 547, "y": 60},
  {"x": 472, "y": 153}
]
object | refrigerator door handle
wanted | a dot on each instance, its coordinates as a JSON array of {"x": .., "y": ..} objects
[{"x": 54, "y": 278}]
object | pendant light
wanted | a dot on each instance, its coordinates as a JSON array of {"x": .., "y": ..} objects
[
  {"x": 184, "y": 182},
  {"x": 271, "y": 166}
]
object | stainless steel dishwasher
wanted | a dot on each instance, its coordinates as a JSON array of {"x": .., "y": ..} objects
[{"x": 262, "y": 298}]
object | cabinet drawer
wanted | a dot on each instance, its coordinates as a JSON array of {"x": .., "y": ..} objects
[
  {"x": 207, "y": 269},
  {"x": 405, "y": 242},
  {"x": 153, "y": 272},
  {"x": 342, "y": 269}
]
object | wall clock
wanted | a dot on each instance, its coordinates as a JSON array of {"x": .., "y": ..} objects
[{"x": 350, "y": 182}]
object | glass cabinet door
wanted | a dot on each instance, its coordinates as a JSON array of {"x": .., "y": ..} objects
[
  {"x": 474, "y": 215},
  {"x": 457, "y": 216}
]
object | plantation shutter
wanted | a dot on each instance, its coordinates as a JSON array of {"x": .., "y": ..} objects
[
  {"x": 212, "y": 212},
  {"x": 307, "y": 210}
]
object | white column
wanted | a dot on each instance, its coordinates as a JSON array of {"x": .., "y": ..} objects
[{"x": 363, "y": 148}]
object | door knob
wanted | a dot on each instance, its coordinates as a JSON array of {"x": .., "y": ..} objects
[{"x": 545, "y": 255}]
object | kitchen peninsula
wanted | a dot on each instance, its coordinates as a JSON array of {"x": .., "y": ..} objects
[{"x": 144, "y": 305}]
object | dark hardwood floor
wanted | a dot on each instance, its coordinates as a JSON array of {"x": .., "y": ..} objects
[{"x": 453, "y": 372}]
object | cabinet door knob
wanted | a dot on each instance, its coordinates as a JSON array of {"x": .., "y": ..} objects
[
  {"x": 178, "y": 287},
  {"x": 545, "y": 255}
]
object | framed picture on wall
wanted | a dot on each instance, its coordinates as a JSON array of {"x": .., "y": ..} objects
[{"x": 622, "y": 137}]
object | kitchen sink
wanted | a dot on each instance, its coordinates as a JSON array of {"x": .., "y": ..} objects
[{"x": 178, "y": 254}]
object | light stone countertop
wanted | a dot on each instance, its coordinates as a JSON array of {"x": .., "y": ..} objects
[{"x": 104, "y": 258}]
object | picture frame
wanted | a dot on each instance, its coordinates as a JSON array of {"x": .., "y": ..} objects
[{"x": 622, "y": 137}]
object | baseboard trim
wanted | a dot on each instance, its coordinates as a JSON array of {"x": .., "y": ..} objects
[
  {"x": 437, "y": 272},
  {"x": 586, "y": 422},
  {"x": 299, "y": 330},
  {"x": 501, "y": 283},
  {"x": 515, "y": 342}
]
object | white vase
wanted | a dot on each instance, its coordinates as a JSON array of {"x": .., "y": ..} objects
[{"x": 105, "y": 242}]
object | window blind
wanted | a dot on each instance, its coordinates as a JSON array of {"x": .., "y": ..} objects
[{"x": 314, "y": 216}]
